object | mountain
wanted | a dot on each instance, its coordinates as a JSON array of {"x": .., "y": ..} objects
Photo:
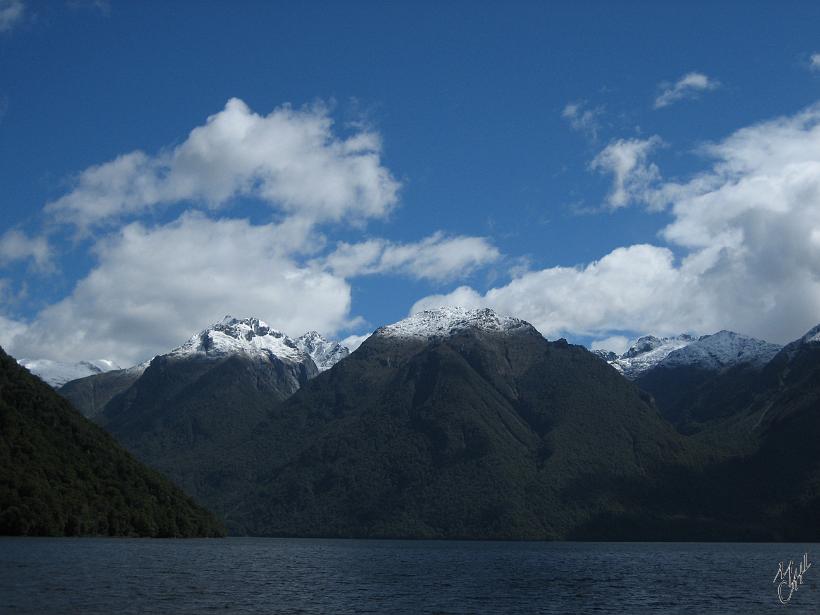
[
  {"x": 452, "y": 423},
  {"x": 57, "y": 373},
  {"x": 187, "y": 406},
  {"x": 325, "y": 353},
  {"x": 249, "y": 339},
  {"x": 773, "y": 417},
  {"x": 647, "y": 352},
  {"x": 707, "y": 379},
  {"x": 62, "y": 475},
  {"x": 92, "y": 393}
]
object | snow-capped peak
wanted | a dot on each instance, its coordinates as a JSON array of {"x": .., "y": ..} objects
[
  {"x": 447, "y": 321},
  {"x": 647, "y": 352},
  {"x": 325, "y": 353},
  {"x": 57, "y": 373},
  {"x": 722, "y": 349},
  {"x": 249, "y": 336},
  {"x": 812, "y": 336}
]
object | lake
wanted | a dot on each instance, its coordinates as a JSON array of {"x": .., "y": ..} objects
[{"x": 261, "y": 575}]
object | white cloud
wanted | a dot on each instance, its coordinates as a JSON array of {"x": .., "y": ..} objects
[
  {"x": 583, "y": 118},
  {"x": 688, "y": 86},
  {"x": 437, "y": 257},
  {"x": 632, "y": 175},
  {"x": 616, "y": 343},
  {"x": 155, "y": 287},
  {"x": 814, "y": 61},
  {"x": 17, "y": 246},
  {"x": 9, "y": 330},
  {"x": 748, "y": 230},
  {"x": 352, "y": 342},
  {"x": 11, "y": 13},
  {"x": 289, "y": 159}
]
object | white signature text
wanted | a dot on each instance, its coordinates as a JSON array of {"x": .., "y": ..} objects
[{"x": 789, "y": 577}]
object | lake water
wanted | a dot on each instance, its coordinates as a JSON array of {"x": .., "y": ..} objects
[{"x": 257, "y": 575}]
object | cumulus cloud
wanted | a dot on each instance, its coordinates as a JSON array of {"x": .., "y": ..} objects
[
  {"x": 688, "y": 86},
  {"x": 11, "y": 13},
  {"x": 437, "y": 257},
  {"x": 633, "y": 176},
  {"x": 748, "y": 234},
  {"x": 16, "y": 245},
  {"x": 151, "y": 286},
  {"x": 155, "y": 287},
  {"x": 814, "y": 61},
  {"x": 290, "y": 159},
  {"x": 583, "y": 118}
]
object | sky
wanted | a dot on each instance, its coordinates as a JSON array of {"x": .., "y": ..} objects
[{"x": 601, "y": 170}]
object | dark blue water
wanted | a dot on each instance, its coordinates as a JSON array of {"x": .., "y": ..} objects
[{"x": 252, "y": 575}]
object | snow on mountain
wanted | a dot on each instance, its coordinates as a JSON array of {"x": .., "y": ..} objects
[
  {"x": 606, "y": 355},
  {"x": 647, "y": 352},
  {"x": 57, "y": 373},
  {"x": 447, "y": 321},
  {"x": 249, "y": 336},
  {"x": 722, "y": 349},
  {"x": 812, "y": 336},
  {"x": 325, "y": 353}
]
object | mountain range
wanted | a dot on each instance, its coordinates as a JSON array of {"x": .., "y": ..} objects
[{"x": 465, "y": 423}]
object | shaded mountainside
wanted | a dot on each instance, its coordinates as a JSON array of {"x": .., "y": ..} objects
[
  {"x": 62, "y": 475},
  {"x": 765, "y": 423},
  {"x": 190, "y": 418},
  {"x": 91, "y": 394},
  {"x": 479, "y": 434}
]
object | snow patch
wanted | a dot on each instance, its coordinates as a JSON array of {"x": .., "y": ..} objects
[
  {"x": 249, "y": 336},
  {"x": 447, "y": 321},
  {"x": 325, "y": 353},
  {"x": 723, "y": 349},
  {"x": 648, "y": 352},
  {"x": 57, "y": 373}
]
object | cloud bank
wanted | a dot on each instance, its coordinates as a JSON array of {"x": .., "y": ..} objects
[{"x": 747, "y": 231}]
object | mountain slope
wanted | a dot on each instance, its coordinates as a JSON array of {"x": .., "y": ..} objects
[
  {"x": 91, "y": 394},
  {"x": 193, "y": 403},
  {"x": 62, "y": 475},
  {"x": 453, "y": 423},
  {"x": 709, "y": 379}
]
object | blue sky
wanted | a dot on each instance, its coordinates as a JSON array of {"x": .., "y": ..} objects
[{"x": 603, "y": 170}]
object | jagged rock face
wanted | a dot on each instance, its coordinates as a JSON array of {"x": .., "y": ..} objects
[
  {"x": 606, "y": 355},
  {"x": 325, "y": 353},
  {"x": 247, "y": 336}
]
